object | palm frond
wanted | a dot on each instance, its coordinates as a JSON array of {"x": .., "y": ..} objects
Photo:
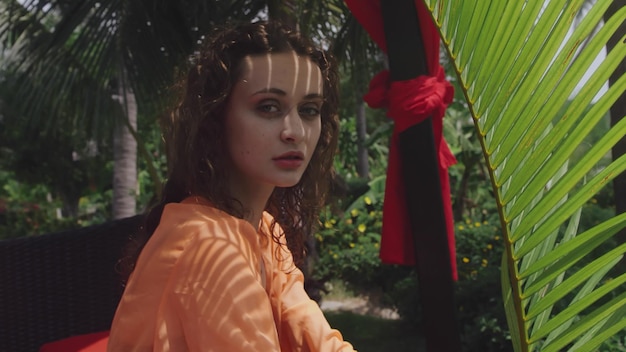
[
  {"x": 536, "y": 94},
  {"x": 68, "y": 55}
]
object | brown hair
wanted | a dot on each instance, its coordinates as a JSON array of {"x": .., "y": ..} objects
[{"x": 193, "y": 132}]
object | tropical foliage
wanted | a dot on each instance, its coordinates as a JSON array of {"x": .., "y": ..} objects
[
  {"x": 523, "y": 76},
  {"x": 93, "y": 69},
  {"x": 533, "y": 134}
]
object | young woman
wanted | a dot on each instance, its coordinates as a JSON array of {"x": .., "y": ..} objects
[{"x": 250, "y": 152}]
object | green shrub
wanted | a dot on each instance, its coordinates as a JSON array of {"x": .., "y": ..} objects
[
  {"x": 478, "y": 246},
  {"x": 348, "y": 243},
  {"x": 28, "y": 210}
]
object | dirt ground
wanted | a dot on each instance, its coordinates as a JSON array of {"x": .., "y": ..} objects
[{"x": 358, "y": 305}]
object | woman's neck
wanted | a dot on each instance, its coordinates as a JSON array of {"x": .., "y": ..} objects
[
  {"x": 253, "y": 202},
  {"x": 254, "y": 212}
]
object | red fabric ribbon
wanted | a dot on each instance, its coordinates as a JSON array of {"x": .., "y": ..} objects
[
  {"x": 408, "y": 103},
  {"x": 411, "y": 101}
]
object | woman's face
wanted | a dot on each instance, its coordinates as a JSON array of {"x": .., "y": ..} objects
[{"x": 273, "y": 120}]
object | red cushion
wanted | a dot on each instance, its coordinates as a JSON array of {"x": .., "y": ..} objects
[{"x": 95, "y": 342}]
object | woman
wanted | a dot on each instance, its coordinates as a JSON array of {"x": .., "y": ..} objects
[{"x": 250, "y": 152}]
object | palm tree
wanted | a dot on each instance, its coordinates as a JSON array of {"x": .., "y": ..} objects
[
  {"x": 618, "y": 112},
  {"x": 96, "y": 66},
  {"x": 520, "y": 79}
]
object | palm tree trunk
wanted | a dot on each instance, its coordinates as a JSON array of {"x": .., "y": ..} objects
[
  {"x": 362, "y": 163},
  {"x": 461, "y": 193},
  {"x": 125, "y": 155}
]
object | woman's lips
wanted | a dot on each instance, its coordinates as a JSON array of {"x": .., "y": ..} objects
[{"x": 289, "y": 160}]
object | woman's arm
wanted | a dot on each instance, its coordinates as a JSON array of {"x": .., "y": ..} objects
[
  {"x": 302, "y": 325},
  {"x": 301, "y": 319}
]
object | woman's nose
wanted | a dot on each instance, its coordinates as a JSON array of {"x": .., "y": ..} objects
[{"x": 293, "y": 128}]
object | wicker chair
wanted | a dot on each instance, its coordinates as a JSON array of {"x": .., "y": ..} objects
[{"x": 62, "y": 284}]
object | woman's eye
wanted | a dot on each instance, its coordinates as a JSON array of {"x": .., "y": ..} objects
[
  {"x": 309, "y": 110},
  {"x": 268, "y": 107}
]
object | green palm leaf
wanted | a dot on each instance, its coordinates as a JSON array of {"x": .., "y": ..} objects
[
  {"x": 523, "y": 71},
  {"x": 68, "y": 55}
]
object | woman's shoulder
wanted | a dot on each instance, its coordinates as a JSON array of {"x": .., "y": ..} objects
[
  {"x": 197, "y": 216},
  {"x": 194, "y": 211}
]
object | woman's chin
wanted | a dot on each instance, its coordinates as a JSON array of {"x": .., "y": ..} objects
[{"x": 287, "y": 183}]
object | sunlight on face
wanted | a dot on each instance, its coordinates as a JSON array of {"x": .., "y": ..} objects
[
  {"x": 273, "y": 120},
  {"x": 263, "y": 64}
]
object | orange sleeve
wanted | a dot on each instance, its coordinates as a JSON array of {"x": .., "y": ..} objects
[
  {"x": 302, "y": 324},
  {"x": 219, "y": 300},
  {"x": 302, "y": 320}
]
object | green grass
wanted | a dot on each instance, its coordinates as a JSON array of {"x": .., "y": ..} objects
[{"x": 372, "y": 334}]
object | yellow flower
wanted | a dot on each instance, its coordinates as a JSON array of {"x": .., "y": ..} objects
[
  {"x": 319, "y": 237},
  {"x": 497, "y": 238},
  {"x": 489, "y": 246},
  {"x": 361, "y": 228},
  {"x": 477, "y": 224},
  {"x": 372, "y": 214},
  {"x": 328, "y": 224},
  {"x": 354, "y": 212},
  {"x": 468, "y": 221},
  {"x": 349, "y": 221},
  {"x": 485, "y": 222},
  {"x": 333, "y": 221},
  {"x": 376, "y": 245},
  {"x": 367, "y": 200},
  {"x": 351, "y": 245},
  {"x": 466, "y": 260},
  {"x": 335, "y": 256},
  {"x": 461, "y": 227},
  {"x": 484, "y": 263}
]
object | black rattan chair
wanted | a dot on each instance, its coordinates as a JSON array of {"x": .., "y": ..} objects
[{"x": 59, "y": 285}]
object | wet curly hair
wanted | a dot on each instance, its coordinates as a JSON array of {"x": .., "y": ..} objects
[{"x": 194, "y": 131}]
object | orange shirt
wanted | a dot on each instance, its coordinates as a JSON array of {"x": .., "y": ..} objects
[{"x": 207, "y": 281}]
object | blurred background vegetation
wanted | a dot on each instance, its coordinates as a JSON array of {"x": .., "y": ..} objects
[{"x": 65, "y": 66}]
